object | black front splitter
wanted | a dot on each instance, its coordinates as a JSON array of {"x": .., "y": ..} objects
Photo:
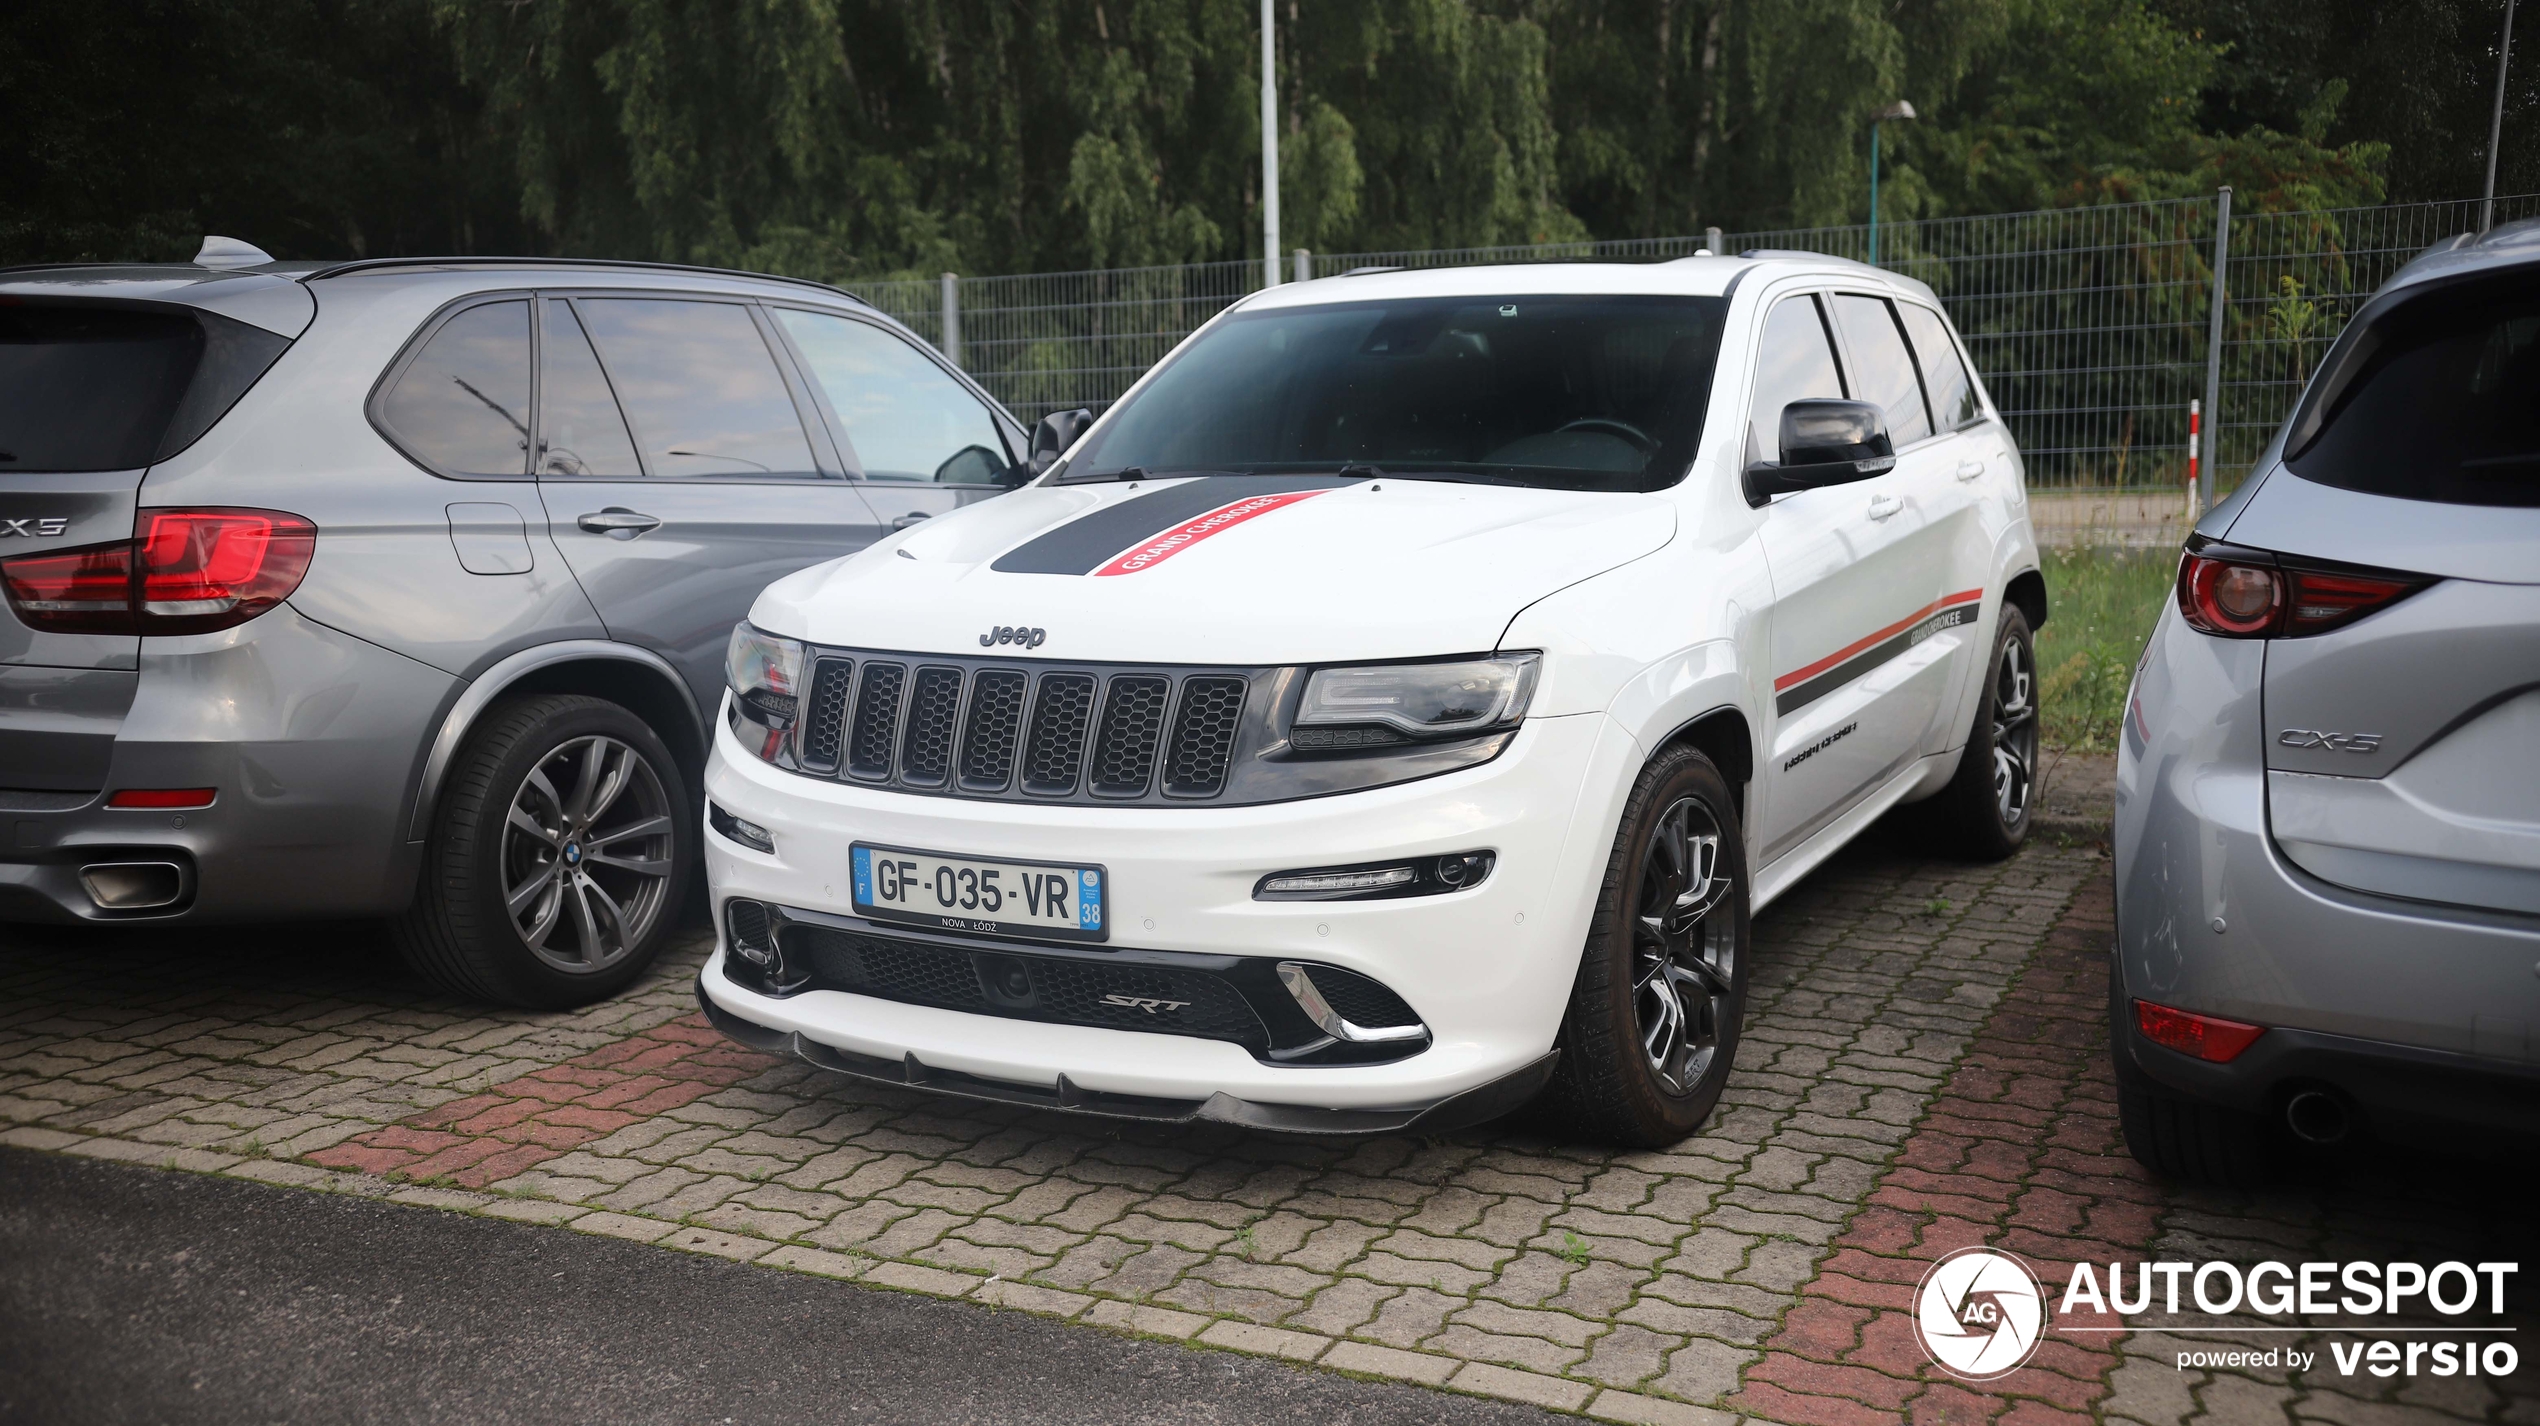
[{"x": 1473, "y": 1106}]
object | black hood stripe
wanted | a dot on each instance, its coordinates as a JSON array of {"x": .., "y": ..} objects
[{"x": 1082, "y": 544}]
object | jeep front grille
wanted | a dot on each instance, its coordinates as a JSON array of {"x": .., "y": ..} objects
[{"x": 1024, "y": 731}]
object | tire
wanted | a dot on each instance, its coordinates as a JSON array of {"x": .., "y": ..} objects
[
  {"x": 2179, "y": 1139},
  {"x": 595, "y": 908},
  {"x": 1648, "y": 919},
  {"x": 1985, "y": 812}
]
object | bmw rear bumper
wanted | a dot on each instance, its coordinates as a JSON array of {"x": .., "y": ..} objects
[{"x": 310, "y": 741}]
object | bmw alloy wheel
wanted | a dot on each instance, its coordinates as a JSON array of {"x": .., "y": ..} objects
[
  {"x": 1683, "y": 947},
  {"x": 587, "y": 850}
]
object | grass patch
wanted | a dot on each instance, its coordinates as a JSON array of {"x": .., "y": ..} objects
[{"x": 2101, "y": 605}]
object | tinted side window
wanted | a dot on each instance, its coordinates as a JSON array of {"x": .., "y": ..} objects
[
  {"x": 1796, "y": 364},
  {"x": 1945, "y": 379},
  {"x": 580, "y": 431},
  {"x": 699, "y": 386},
  {"x": 2443, "y": 409},
  {"x": 462, "y": 406},
  {"x": 1882, "y": 370},
  {"x": 900, "y": 415}
]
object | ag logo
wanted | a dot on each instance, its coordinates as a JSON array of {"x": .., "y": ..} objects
[{"x": 1979, "y": 1313}]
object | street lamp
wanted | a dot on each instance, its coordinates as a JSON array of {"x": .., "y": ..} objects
[{"x": 1900, "y": 110}]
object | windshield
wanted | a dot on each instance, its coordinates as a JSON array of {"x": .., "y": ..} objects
[{"x": 1570, "y": 393}]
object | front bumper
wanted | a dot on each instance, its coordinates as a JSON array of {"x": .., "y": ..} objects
[
  {"x": 1488, "y": 970},
  {"x": 1473, "y": 1106}
]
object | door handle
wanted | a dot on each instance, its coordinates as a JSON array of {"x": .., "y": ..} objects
[
  {"x": 911, "y": 518},
  {"x": 1882, "y": 506},
  {"x": 1970, "y": 469},
  {"x": 618, "y": 523}
]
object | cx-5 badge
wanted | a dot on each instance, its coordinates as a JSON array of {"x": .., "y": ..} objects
[
  {"x": 2334, "y": 742},
  {"x": 35, "y": 526}
]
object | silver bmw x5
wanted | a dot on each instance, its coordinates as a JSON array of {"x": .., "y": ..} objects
[
  {"x": 402, "y": 587},
  {"x": 2328, "y": 791}
]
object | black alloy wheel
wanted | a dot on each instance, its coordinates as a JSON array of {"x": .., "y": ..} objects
[
  {"x": 1985, "y": 810},
  {"x": 2013, "y": 712},
  {"x": 558, "y": 853},
  {"x": 1684, "y": 954},
  {"x": 1652, "y": 1027}
]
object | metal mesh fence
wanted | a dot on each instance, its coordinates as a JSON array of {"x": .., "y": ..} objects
[{"x": 2088, "y": 324}]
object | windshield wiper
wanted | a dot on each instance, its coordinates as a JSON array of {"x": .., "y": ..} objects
[
  {"x": 1139, "y": 472},
  {"x": 1449, "y": 477}
]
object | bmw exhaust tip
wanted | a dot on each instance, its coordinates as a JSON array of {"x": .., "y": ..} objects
[
  {"x": 133, "y": 886},
  {"x": 2318, "y": 1117}
]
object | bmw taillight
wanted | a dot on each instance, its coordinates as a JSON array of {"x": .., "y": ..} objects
[
  {"x": 182, "y": 572},
  {"x": 2236, "y": 593}
]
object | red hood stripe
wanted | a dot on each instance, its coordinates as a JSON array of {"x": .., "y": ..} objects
[
  {"x": 1147, "y": 554},
  {"x": 1801, "y": 675}
]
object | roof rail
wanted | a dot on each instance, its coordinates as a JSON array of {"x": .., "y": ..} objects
[
  {"x": 1369, "y": 271},
  {"x": 1811, "y": 256},
  {"x": 388, "y": 264}
]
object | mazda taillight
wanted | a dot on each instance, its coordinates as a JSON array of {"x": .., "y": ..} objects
[
  {"x": 2236, "y": 593},
  {"x": 183, "y": 572}
]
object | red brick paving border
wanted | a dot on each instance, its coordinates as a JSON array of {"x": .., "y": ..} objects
[
  {"x": 520, "y": 1123},
  {"x": 2019, "y": 1151}
]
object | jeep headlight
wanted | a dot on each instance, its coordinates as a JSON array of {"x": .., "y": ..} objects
[
  {"x": 1413, "y": 703},
  {"x": 765, "y": 675}
]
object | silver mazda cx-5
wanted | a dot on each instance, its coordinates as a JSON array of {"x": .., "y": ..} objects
[
  {"x": 401, "y": 588},
  {"x": 2328, "y": 790}
]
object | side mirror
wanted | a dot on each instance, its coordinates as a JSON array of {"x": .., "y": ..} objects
[
  {"x": 1824, "y": 443},
  {"x": 1056, "y": 432}
]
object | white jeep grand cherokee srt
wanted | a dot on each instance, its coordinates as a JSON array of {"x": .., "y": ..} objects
[{"x": 1391, "y": 710}]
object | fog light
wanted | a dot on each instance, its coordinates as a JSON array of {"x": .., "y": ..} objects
[{"x": 741, "y": 830}]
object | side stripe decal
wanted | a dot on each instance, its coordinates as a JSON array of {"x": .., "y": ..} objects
[{"x": 1809, "y": 682}]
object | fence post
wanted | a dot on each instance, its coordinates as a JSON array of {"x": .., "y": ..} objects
[
  {"x": 2219, "y": 303},
  {"x": 1304, "y": 265},
  {"x": 1711, "y": 239},
  {"x": 952, "y": 319}
]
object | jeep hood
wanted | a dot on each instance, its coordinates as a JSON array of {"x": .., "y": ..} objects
[{"x": 1222, "y": 570}]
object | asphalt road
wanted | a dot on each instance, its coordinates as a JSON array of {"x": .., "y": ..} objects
[{"x": 135, "y": 1294}]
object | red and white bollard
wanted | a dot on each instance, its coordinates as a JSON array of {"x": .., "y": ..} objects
[{"x": 2195, "y": 431}]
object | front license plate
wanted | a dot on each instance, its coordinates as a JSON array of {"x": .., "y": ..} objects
[{"x": 1051, "y": 899}]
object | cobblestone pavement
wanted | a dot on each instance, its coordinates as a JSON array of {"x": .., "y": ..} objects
[{"x": 1924, "y": 1068}]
